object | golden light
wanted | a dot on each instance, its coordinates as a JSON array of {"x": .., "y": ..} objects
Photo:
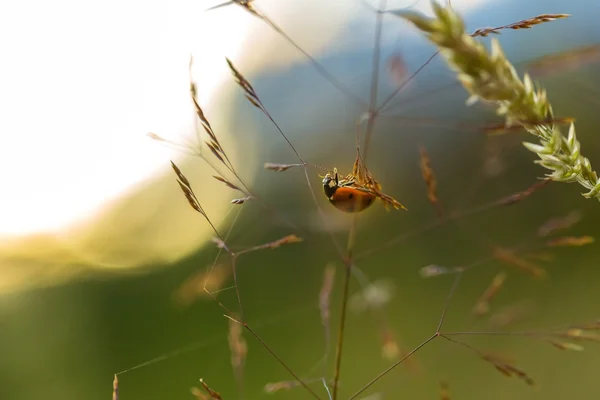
[{"x": 83, "y": 187}]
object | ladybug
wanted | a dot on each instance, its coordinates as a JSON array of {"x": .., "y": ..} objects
[
  {"x": 357, "y": 191},
  {"x": 345, "y": 195}
]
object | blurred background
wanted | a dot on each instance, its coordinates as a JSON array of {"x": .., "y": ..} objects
[{"x": 101, "y": 256}]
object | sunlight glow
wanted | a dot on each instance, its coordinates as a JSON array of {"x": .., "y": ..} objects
[
  {"x": 78, "y": 96},
  {"x": 84, "y": 188}
]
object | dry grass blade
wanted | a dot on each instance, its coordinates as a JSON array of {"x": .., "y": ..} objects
[
  {"x": 155, "y": 136},
  {"x": 180, "y": 175},
  {"x": 389, "y": 201},
  {"x": 253, "y": 98},
  {"x": 213, "y": 144},
  {"x": 216, "y": 150},
  {"x": 324, "y": 298},
  {"x": 280, "y": 242},
  {"x": 240, "y": 200},
  {"x": 289, "y": 239},
  {"x": 115, "y": 392},
  {"x": 198, "y": 394},
  {"x": 565, "y": 61},
  {"x": 219, "y": 242},
  {"x": 282, "y": 385},
  {"x": 397, "y": 69},
  {"x": 519, "y": 196},
  {"x": 509, "y": 257},
  {"x": 227, "y": 183},
  {"x": 502, "y": 128},
  {"x": 508, "y": 369},
  {"x": 580, "y": 335},
  {"x": 238, "y": 348},
  {"x": 523, "y": 24},
  {"x": 201, "y": 284},
  {"x": 430, "y": 181},
  {"x": 565, "y": 345},
  {"x": 280, "y": 167},
  {"x": 213, "y": 394},
  {"x": 246, "y": 4},
  {"x": 246, "y": 87},
  {"x": 566, "y": 241},
  {"x": 432, "y": 270},
  {"x": 200, "y": 113},
  {"x": 227, "y": 3},
  {"x": 444, "y": 391},
  {"x": 501, "y": 364},
  {"x": 556, "y": 224},
  {"x": 186, "y": 187},
  {"x": 325, "y": 309},
  {"x": 178, "y": 146},
  {"x": 482, "y": 306},
  {"x": 203, "y": 119},
  {"x": 390, "y": 350}
]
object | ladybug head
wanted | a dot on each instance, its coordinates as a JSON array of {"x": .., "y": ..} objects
[{"x": 330, "y": 184}]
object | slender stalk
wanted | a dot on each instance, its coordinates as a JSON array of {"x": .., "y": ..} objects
[
  {"x": 270, "y": 350},
  {"x": 340, "y": 340},
  {"x": 352, "y": 234},
  {"x": 450, "y": 295},
  {"x": 391, "y": 367},
  {"x": 374, "y": 78}
]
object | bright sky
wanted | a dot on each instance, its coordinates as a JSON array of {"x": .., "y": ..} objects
[{"x": 81, "y": 86}]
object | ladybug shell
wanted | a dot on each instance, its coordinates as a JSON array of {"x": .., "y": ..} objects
[{"x": 351, "y": 200}]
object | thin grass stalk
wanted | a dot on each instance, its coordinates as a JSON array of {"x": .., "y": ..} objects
[
  {"x": 351, "y": 238},
  {"x": 270, "y": 350},
  {"x": 352, "y": 234},
  {"x": 455, "y": 215},
  {"x": 391, "y": 367}
]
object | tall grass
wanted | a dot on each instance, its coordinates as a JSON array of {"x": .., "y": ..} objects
[{"x": 486, "y": 77}]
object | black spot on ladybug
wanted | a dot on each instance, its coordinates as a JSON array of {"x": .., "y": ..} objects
[{"x": 351, "y": 195}]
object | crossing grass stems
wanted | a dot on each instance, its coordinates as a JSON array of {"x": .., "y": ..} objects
[{"x": 487, "y": 77}]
